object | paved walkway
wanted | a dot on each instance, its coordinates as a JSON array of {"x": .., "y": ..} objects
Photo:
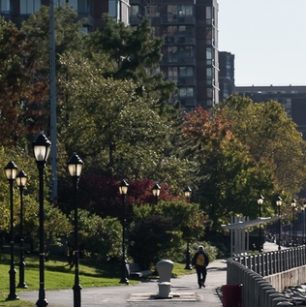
[{"x": 121, "y": 296}]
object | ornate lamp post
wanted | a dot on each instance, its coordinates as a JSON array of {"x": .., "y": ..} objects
[
  {"x": 278, "y": 205},
  {"x": 11, "y": 172},
  {"x": 41, "y": 148},
  {"x": 156, "y": 192},
  {"x": 260, "y": 202},
  {"x": 21, "y": 181},
  {"x": 75, "y": 165},
  {"x": 293, "y": 208},
  {"x": 123, "y": 189},
  {"x": 188, "y": 265}
]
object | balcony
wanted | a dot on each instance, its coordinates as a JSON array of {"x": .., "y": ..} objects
[
  {"x": 186, "y": 81},
  {"x": 180, "y": 40},
  {"x": 178, "y": 60},
  {"x": 181, "y": 20}
]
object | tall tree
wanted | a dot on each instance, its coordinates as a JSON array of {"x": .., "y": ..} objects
[
  {"x": 272, "y": 139},
  {"x": 136, "y": 55},
  {"x": 226, "y": 178}
]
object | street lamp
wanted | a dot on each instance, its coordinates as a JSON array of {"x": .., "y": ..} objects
[
  {"x": 293, "y": 208},
  {"x": 188, "y": 265},
  {"x": 75, "y": 165},
  {"x": 21, "y": 180},
  {"x": 260, "y": 202},
  {"x": 123, "y": 189},
  {"x": 41, "y": 149},
  {"x": 187, "y": 193},
  {"x": 11, "y": 172},
  {"x": 278, "y": 205},
  {"x": 156, "y": 192}
]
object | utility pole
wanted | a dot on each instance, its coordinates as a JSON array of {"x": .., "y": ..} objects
[{"x": 53, "y": 104}]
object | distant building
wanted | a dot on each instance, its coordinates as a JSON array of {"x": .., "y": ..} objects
[
  {"x": 293, "y": 98},
  {"x": 90, "y": 10},
  {"x": 189, "y": 29},
  {"x": 226, "y": 74}
]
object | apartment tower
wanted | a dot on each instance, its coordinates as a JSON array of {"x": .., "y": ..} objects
[{"x": 189, "y": 29}]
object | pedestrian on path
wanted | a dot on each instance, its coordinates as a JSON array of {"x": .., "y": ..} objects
[{"x": 200, "y": 261}]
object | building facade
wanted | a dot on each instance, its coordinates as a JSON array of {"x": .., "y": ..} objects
[
  {"x": 226, "y": 74},
  {"x": 293, "y": 99},
  {"x": 189, "y": 29},
  {"x": 90, "y": 10}
]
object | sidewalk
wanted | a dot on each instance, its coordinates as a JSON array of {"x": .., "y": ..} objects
[{"x": 124, "y": 296}]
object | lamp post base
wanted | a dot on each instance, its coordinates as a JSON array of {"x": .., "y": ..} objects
[
  {"x": 12, "y": 297},
  {"x": 22, "y": 286},
  {"x": 42, "y": 303}
]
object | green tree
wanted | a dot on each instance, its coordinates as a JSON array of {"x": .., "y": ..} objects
[
  {"x": 107, "y": 122},
  {"x": 227, "y": 180},
  {"x": 135, "y": 54},
  {"x": 272, "y": 139}
]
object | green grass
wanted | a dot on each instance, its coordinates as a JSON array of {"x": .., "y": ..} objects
[
  {"x": 58, "y": 275},
  {"x": 179, "y": 270}
]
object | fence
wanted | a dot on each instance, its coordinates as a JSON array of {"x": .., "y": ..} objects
[{"x": 251, "y": 272}]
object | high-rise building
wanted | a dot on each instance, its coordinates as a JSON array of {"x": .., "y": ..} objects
[
  {"x": 90, "y": 10},
  {"x": 226, "y": 74},
  {"x": 293, "y": 99},
  {"x": 189, "y": 29}
]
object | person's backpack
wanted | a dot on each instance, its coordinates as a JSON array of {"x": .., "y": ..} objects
[{"x": 200, "y": 260}]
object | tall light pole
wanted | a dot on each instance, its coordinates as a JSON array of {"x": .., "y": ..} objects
[
  {"x": 293, "y": 207},
  {"x": 41, "y": 148},
  {"x": 75, "y": 165},
  {"x": 123, "y": 189},
  {"x": 278, "y": 205},
  {"x": 188, "y": 265},
  {"x": 11, "y": 172},
  {"x": 53, "y": 102},
  {"x": 260, "y": 202},
  {"x": 21, "y": 181},
  {"x": 304, "y": 223},
  {"x": 156, "y": 192}
]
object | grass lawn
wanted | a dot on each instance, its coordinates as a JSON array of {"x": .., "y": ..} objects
[{"x": 58, "y": 275}]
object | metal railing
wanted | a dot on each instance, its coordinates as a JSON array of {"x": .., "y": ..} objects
[
  {"x": 249, "y": 271},
  {"x": 270, "y": 263}
]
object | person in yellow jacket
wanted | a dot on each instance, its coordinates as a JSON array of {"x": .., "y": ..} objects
[{"x": 200, "y": 261}]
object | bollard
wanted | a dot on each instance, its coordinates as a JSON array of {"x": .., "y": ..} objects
[{"x": 164, "y": 269}]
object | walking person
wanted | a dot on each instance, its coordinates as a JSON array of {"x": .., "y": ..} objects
[{"x": 200, "y": 261}]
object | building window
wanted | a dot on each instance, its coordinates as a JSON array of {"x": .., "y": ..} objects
[
  {"x": 208, "y": 53},
  {"x": 28, "y": 7},
  {"x": 209, "y": 12},
  {"x": 172, "y": 73},
  {"x": 113, "y": 8},
  {"x": 186, "y": 71},
  {"x": 174, "y": 11},
  {"x": 73, "y": 4},
  {"x": 83, "y": 6},
  {"x": 152, "y": 11},
  {"x": 58, "y": 3},
  {"x": 134, "y": 11},
  {"x": 185, "y": 92},
  {"x": 5, "y": 6}
]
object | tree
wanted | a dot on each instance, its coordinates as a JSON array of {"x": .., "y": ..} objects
[
  {"x": 226, "y": 178},
  {"x": 272, "y": 139},
  {"x": 135, "y": 54},
  {"x": 109, "y": 122},
  {"x": 12, "y": 82}
]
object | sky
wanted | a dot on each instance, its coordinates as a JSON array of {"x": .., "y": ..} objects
[{"x": 268, "y": 39}]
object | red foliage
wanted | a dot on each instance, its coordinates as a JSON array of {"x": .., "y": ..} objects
[{"x": 100, "y": 193}]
